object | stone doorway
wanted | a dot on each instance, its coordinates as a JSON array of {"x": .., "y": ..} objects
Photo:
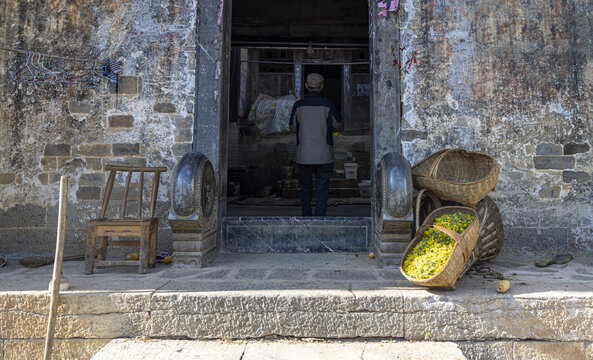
[{"x": 214, "y": 54}]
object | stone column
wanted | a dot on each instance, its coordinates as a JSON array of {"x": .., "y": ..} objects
[
  {"x": 389, "y": 233},
  {"x": 192, "y": 239}
]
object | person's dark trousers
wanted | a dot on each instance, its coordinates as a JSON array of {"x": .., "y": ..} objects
[{"x": 322, "y": 174}]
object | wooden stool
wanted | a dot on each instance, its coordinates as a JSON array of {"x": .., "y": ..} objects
[{"x": 146, "y": 229}]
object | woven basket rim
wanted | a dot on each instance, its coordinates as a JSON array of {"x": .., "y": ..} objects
[
  {"x": 493, "y": 169},
  {"x": 417, "y": 239}
]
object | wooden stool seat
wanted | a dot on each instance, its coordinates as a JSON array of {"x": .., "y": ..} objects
[{"x": 145, "y": 229}]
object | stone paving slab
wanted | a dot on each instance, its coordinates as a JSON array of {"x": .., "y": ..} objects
[
  {"x": 136, "y": 349},
  {"x": 276, "y": 350}
]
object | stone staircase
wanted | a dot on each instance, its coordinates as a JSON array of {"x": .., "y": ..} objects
[{"x": 296, "y": 234}]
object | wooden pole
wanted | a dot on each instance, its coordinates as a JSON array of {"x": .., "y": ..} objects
[{"x": 55, "y": 282}]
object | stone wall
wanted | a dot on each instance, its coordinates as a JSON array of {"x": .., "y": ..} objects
[
  {"x": 48, "y": 130},
  {"x": 513, "y": 79},
  {"x": 510, "y": 78}
]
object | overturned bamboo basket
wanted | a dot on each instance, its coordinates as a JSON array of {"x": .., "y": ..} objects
[
  {"x": 464, "y": 245},
  {"x": 491, "y": 234},
  {"x": 465, "y": 177}
]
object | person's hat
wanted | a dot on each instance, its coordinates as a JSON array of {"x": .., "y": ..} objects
[{"x": 314, "y": 80}]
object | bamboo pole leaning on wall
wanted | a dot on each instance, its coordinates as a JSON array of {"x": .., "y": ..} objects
[{"x": 57, "y": 275}]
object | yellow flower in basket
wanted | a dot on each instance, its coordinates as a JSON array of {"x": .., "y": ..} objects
[{"x": 429, "y": 256}]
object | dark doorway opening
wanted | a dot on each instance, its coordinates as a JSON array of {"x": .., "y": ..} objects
[{"x": 274, "y": 46}]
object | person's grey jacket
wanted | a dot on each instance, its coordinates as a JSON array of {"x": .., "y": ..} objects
[{"x": 314, "y": 120}]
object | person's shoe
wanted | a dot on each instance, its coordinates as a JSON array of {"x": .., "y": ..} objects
[
  {"x": 562, "y": 259},
  {"x": 545, "y": 261}
]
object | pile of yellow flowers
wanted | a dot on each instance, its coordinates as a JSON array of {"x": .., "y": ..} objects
[{"x": 432, "y": 252}]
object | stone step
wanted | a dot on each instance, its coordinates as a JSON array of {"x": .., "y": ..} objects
[
  {"x": 547, "y": 313},
  {"x": 296, "y": 234}
]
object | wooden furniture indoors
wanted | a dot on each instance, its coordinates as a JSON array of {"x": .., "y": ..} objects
[{"x": 144, "y": 228}]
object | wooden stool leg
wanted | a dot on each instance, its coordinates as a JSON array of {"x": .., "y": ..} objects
[
  {"x": 89, "y": 256},
  {"x": 102, "y": 252},
  {"x": 152, "y": 246},
  {"x": 144, "y": 245}
]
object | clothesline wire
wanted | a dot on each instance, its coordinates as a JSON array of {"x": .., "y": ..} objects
[{"x": 51, "y": 56}]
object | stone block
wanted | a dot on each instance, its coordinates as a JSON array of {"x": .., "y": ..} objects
[
  {"x": 71, "y": 165},
  {"x": 62, "y": 349},
  {"x": 482, "y": 350},
  {"x": 548, "y": 149},
  {"x": 16, "y": 324},
  {"x": 57, "y": 150},
  {"x": 94, "y": 163},
  {"x": 554, "y": 162},
  {"x": 183, "y": 135},
  {"x": 410, "y": 135},
  {"x": 572, "y": 148},
  {"x": 549, "y": 350},
  {"x": 43, "y": 179},
  {"x": 92, "y": 179},
  {"x": 27, "y": 215},
  {"x": 121, "y": 121},
  {"x": 79, "y": 107},
  {"x": 339, "y": 315},
  {"x": 126, "y": 149},
  {"x": 180, "y": 149},
  {"x": 126, "y": 161},
  {"x": 182, "y": 122},
  {"x": 95, "y": 150},
  {"x": 516, "y": 175},
  {"x": 576, "y": 176},
  {"x": 552, "y": 192},
  {"x": 49, "y": 163},
  {"x": 172, "y": 349},
  {"x": 88, "y": 193},
  {"x": 6, "y": 178},
  {"x": 552, "y": 317},
  {"x": 130, "y": 85},
  {"x": 166, "y": 108}
]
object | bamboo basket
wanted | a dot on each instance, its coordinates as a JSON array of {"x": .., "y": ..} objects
[
  {"x": 458, "y": 175},
  {"x": 491, "y": 234},
  {"x": 464, "y": 245}
]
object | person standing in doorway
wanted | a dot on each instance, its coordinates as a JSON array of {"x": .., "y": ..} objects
[{"x": 314, "y": 120}]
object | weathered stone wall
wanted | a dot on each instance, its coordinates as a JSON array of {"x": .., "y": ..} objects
[
  {"x": 48, "y": 130},
  {"x": 510, "y": 78},
  {"x": 514, "y": 79}
]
